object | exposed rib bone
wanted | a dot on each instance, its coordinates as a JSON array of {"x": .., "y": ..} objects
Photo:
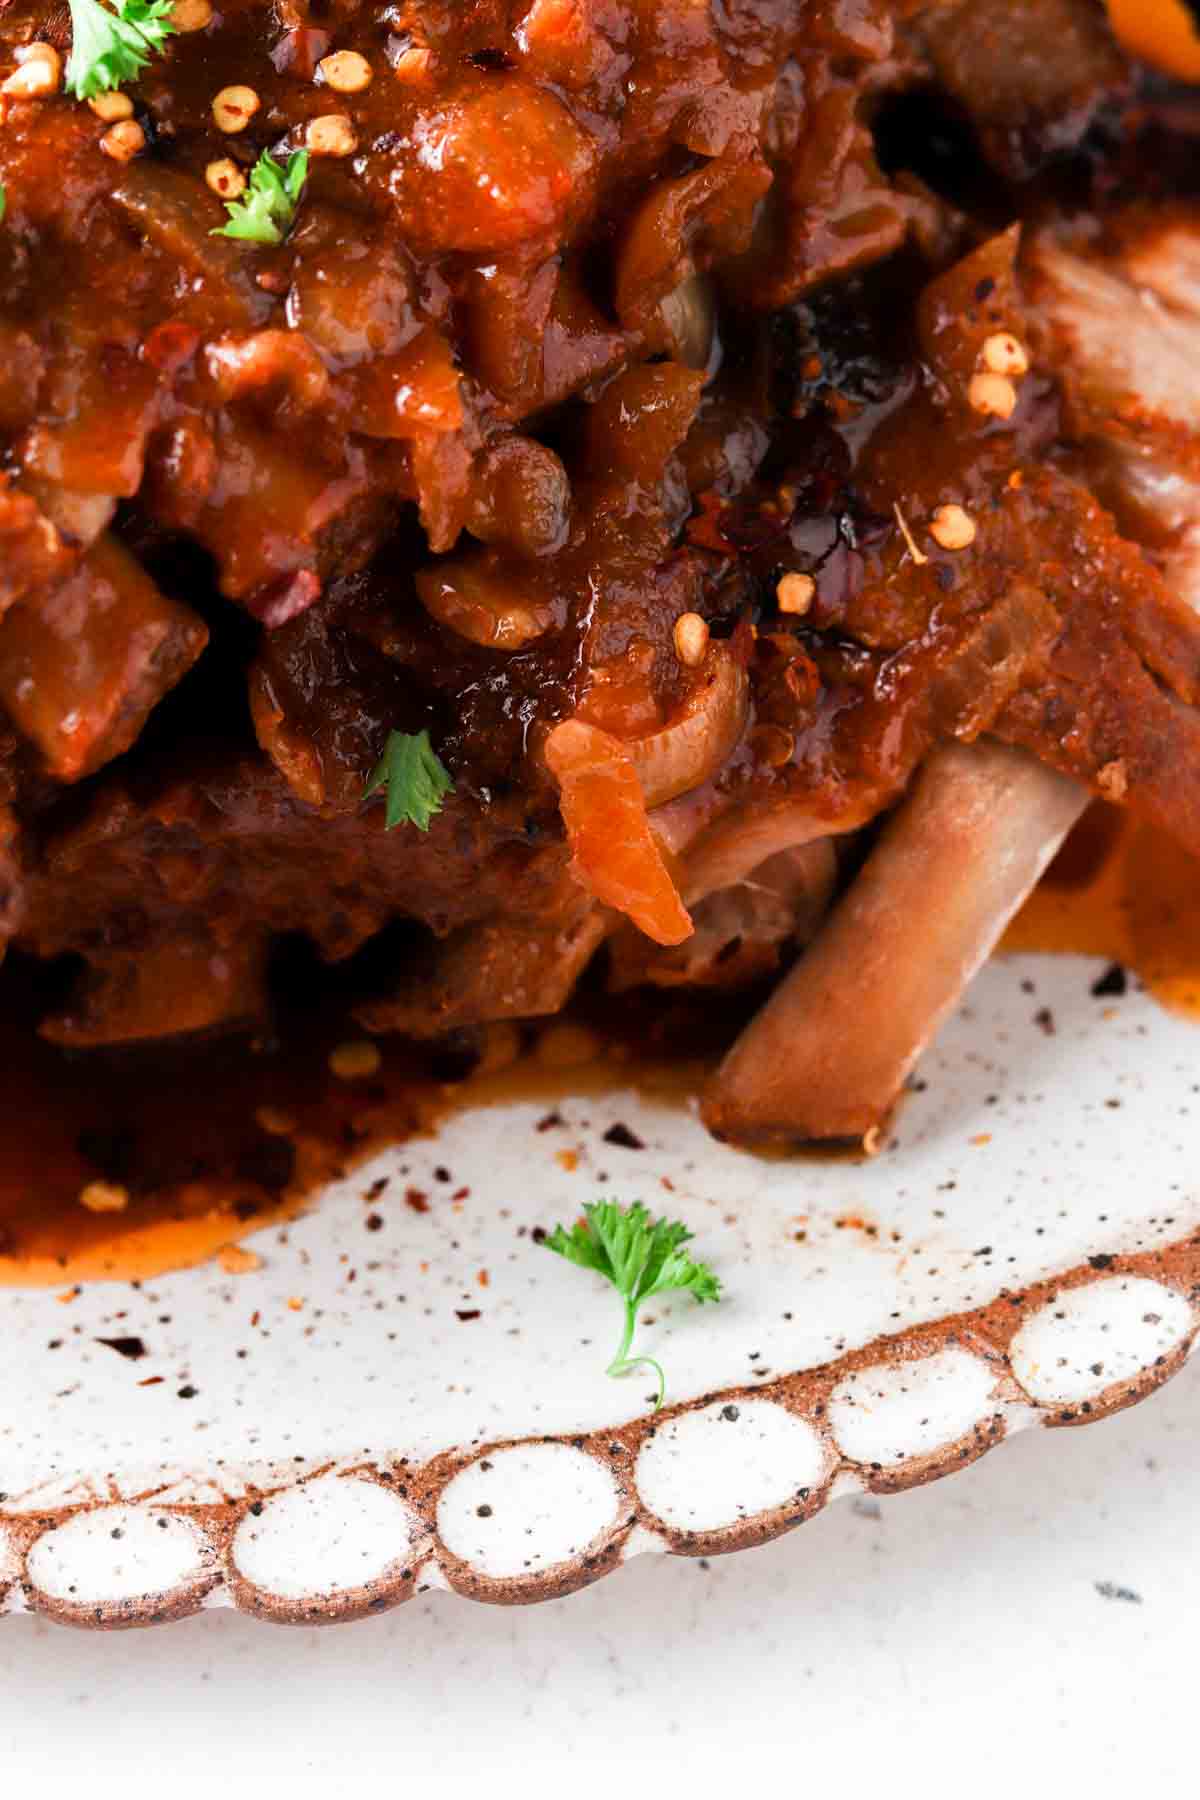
[{"x": 829, "y": 1052}]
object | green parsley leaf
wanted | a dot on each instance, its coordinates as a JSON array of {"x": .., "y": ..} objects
[
  {"x": 415, "y": 780},
  {"x": 3, "y": 200},
  {"x": 267, "y": 207},
  {"x": 641, "y": 1257},
  {"x": 109, "y": 48}
]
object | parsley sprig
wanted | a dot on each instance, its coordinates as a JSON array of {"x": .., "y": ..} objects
[
  {"x": 110, "y": 48},
  {"x": 641, "y": 1257},
  {"x": 266, "y": 209},
  {"x": 414, "y": 778}
]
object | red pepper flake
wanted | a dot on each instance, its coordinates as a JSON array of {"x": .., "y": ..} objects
[
  {"x": 170, "y": 346},
  {"x": 152, "y": 1381},
  {"x": 567, "y": 1159},
  {"x": 131, "y": 1347},
  {"x": 623, "y": 1138},
  {"x": 374, "y": 1222},
  {"x": 254, "y": 1318},
  {"x": 462, "y": 1193},
  {"x": 483, "y": 1278},
  {"x": 705, "y": 528},
  {"x": 549, "y": 1122},
  {"x": 416, "y": 1200},
  {"x": 470, "y": 1313},
  {"x": 299, "y": 51}
]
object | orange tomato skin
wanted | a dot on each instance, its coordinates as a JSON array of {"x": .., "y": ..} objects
[
  {"x": 615, "y": 854},
  {"x": 1162, "y": 32}
]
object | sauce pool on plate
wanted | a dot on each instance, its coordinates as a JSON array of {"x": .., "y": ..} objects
[{"x": 121, "y": 1166}]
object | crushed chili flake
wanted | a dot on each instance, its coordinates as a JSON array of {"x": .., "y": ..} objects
[
  {"x": 625, "y": 1139},
  {"x": 131, "y": 1347}
]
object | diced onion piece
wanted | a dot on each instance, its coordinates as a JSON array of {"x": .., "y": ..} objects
[
  {"x": 294, "y": 755},
  {"x": 479, "y": 600},
  {"x": 520, "y": 497},
  {"x": 615, "y": 854},
  {"x": 642, "y": 418},
  {"x": 700, "y": 738},
  {"x": 283, "y": 360},
  {"x": 689, "y": 315}
]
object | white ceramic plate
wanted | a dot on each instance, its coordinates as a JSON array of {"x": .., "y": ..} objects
[{"x": 424, "y": 1403}]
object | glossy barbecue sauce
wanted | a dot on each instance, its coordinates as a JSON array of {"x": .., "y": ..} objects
[{"x": 208, "y": 1149}]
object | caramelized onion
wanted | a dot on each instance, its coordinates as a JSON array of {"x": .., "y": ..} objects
[
  {"x": 615, "y": 854},
  {"x": 520, "y": 497},
  {"x": 283, "y": 360},
  {"x": 294, "y": 755},
  {"x": 477, "y": 598},
  {"x": 700, "y": 738}
]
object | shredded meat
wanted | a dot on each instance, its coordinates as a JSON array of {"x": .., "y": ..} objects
[{"x": 648, "y": 415}]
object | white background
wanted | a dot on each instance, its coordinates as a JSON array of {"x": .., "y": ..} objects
[{"x": 956, "y": 1640}]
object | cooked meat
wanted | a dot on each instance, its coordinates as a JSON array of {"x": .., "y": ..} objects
[
  {"x": 83, "y": 661},
  {"x": 1031, "y": 74},
  {"x": 610, "y": 464}
]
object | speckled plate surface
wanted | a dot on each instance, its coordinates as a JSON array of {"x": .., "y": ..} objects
[{"x": 401, "y": 1398}]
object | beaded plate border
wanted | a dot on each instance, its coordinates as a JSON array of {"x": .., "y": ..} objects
[{"x": 531, "y": 1519}]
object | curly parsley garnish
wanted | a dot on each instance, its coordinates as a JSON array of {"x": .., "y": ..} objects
[
  {"x": 110, "y": 48},
  {"x": 266, "y": 209},
  {"x": 641, "y": 1257},
  {"x": 415, "y": 780}
]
